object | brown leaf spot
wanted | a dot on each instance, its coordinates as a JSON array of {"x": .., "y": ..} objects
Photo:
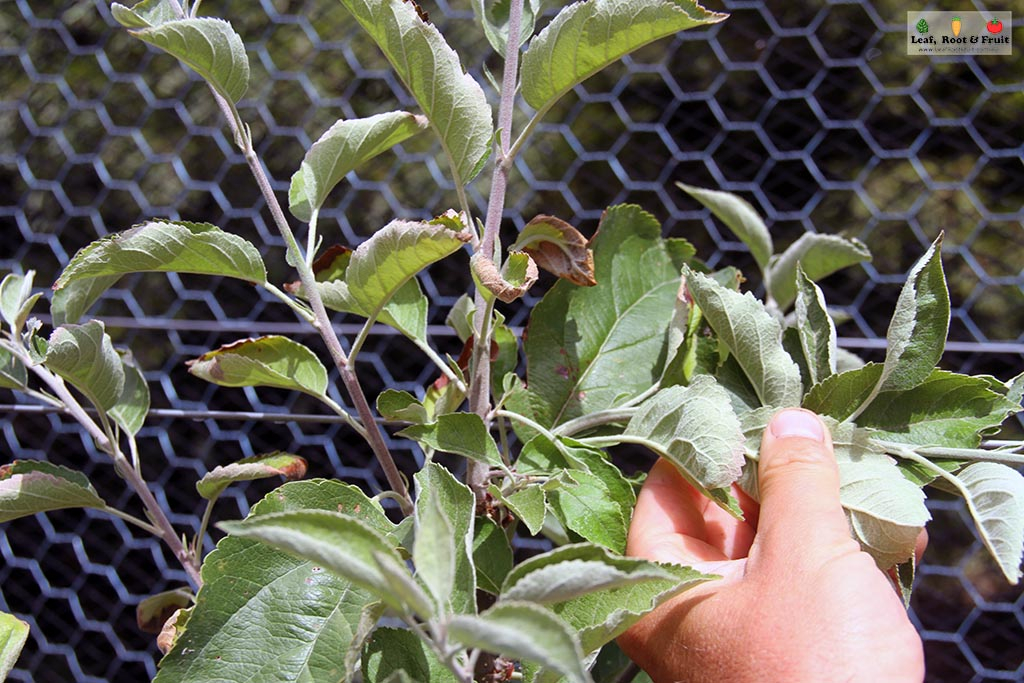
[{"x": 169, "y": 633}]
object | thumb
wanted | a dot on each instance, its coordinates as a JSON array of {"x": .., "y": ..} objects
[{"x": 800, "y": 515}]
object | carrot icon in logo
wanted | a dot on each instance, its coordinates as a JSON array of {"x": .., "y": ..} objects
[{"x": 957, "y": 24}]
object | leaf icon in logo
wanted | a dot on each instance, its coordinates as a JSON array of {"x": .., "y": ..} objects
[{"x": 922, "y": 26}]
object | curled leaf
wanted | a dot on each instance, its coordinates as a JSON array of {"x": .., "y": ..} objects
[
  {"x": 515, "y": 279},
  {"x": 558, "y": 248},
  {"x": 289, "y": 466},
  {"x": 270, "y": 361},
  {"x": 156, "y": 611}
]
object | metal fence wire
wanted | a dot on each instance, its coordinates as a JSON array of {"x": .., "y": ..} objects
[{"x": 811, "y": 110}]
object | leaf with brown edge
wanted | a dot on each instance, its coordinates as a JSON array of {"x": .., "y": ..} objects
[
  {"x": 154, "y": 612},
  {"x": 269, "y": 361},
  {"x": 289, "y": 466},
  {"x": 558, "y": 248},
  {"x": 513, "y": 281}
]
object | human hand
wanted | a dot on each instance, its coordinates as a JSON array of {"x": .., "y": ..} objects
[{"x": 798, "y": 601}]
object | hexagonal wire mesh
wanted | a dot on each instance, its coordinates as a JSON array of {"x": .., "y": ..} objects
[{"x": 812, "y": 110}]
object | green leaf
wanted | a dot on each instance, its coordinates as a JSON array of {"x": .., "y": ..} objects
[
  {"x": 995, "y": 499},
  {"x": 31, "y": 486},
  {"x": 886, "y": 511},
  {"x": 13, "y": 634},
  {"x": 523, "y": 631},
  {"x": 696, "y": 429},
  {"x": 495, "y": 16},
  {"x": 153, "y": 612},
  {"x": 85, "y": 357},
  {"x": 460, "y": 317},
  {"x": 13, "y": 374},
  {"x": 434, "y": 549},
  {"x": 598, "y": 594},
  {"x": 613, "y": 666},
  {"x": 905, "y": 573},
  {"x": 453, "y": 101},
  {"x": 753, "y": 336},
  {"x": 946, "y": 409},
  {"x": 132, "y": 407},
  {"x": 840, "y": 395},
  {"x": 917, "y": 332},
  {"x": 271, "y": 361},
  {"x": 335, "y": 540},
  {"x": 345, "y": 146},
  {"x": 585, "y": 37},
  {"x": 17, "y": 299},
  {"x": 210, "y": 47},
  {"x": 377, "y": 282},
  {"x": 401, "y": 405},
  {"x": 740, "y": 217},
  {"x": 528, "y": 505},
  {"x": 584, "y": 504},
  {"x": 543, "y": 456},
  {"x": 492, "y": 555},
  {"x": 392, "y": 651},
  {"x": 815, "y": 328},
  {"x": 71, "y": 302},
  {"x": 461, "y": 433},
  {"x": 458, "y": 504},
  {"x": 145, "y": 14},
  {"x": 819, "y": 255},
  {"x": 278, "y": 463},
  {"x": 155, "y": 246},
  {"x": 250, "y": 590},
  {"x": 592, "y": 348}
]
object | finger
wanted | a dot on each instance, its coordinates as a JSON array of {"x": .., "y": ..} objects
[
  {"x": 801, "y": 516},
  {"x": 668, "y": 523}
]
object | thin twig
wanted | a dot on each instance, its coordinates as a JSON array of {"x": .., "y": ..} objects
[
  {"x": 480, "y": 383},
  {"x": 322, "y": 321}
]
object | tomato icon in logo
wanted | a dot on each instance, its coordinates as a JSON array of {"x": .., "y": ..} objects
[{"x": 994, "y": 26}]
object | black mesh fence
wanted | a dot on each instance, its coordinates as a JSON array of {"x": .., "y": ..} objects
[{"x": 811, "y": 110}]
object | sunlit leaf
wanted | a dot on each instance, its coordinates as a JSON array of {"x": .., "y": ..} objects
[
  {"x": 13, "y": 634},
  {"x": 995, "y": 499},
  {"x": 946, "y": 409},
  {"x": 917, "y": 332},
  {"x": 334, "y": 540},
  {"x": 523, "y": 630},
  {"x": 885, "y": 510},
  {"x": 592, "y": 348},
  {"x": 458, "y": 503},
  {"x": 753, "y": 337},
  {"x": 160, "y": 246},
  {"x": 132, "y": 407},
  {"x": 13, "y": 374},
  {"x": 740, "y": 217},
  {"x": 17, "y": 299},
  {"x": 346, "y": 145},
  {"x": 31, "y": 486},
  {"x": 145, "y": 14},
  {"x": 271, "y": 361},
  {"x": 495, "y": 17},
  {"x": 696, "y": 429},
  {"x": 401, "y": 405},
  {"x": 462, "y": 433},
  {"x": 208, "y": 46},
  {"x": 819, "y": 255},
  {"x": 585, "y": 37},
  {"x": 275, "y": 464},
  {"x": 597, "y": 593},
  {"x": 249, "y": 589},
  {"x": 452, "y": 100},
  {"x": 817, "y": 332},
  {"x": 85, "y": 357}
]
